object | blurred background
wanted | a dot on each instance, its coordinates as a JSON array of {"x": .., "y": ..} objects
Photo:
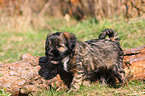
[
  {"x": 24, "y": 24},
  {"x": 23, "y": 13}
]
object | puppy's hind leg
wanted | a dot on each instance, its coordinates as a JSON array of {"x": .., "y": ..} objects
[
  {"x": 118, "y": 70},
  {"x": 119, "y": 67},
  {"x": 119, "y": 74}
]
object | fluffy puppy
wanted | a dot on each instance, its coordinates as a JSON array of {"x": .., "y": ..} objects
[{"x": 86, "y": 59}]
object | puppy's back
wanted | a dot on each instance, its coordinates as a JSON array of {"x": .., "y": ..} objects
[{"x": 105, "y": 53}]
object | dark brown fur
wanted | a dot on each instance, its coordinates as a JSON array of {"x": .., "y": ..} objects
[{"x": 98, "y": 57}]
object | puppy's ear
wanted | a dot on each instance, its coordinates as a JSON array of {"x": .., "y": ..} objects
[
  {"x": 46, "y": 45},
  {"x": 71, "y": 39}
]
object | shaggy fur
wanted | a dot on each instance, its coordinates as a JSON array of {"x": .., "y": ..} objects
[{"x": 102, "y": 58}]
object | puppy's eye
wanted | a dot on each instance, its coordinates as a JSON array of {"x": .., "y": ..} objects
[{"x": 61, "y": 48}]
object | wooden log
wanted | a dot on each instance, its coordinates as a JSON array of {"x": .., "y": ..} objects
[
  {"x": 30, "y": 75},
  {"x": 23, "y": 77},
  {"x": 134, "y": 62}
]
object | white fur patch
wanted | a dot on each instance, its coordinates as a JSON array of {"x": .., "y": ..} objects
[
  {"x": 65, "y": 61},
  {"x": 54, "y": 62}
]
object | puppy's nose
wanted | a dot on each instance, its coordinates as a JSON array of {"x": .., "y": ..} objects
[{"x": 55, "y": 52}]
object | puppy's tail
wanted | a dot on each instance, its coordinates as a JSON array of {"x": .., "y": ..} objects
[{"x": 113, "y": 36}]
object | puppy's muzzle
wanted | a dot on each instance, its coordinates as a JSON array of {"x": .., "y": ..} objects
[{"x": 54, "y": 55}]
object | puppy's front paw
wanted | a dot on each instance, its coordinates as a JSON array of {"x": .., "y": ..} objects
[{"x": 72, "y": 90}]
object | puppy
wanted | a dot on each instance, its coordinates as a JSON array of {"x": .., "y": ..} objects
[{"x": 85, "y": 60}]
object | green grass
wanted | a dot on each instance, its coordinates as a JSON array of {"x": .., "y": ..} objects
[
  {"x": 135, "y": 88},
  {"x": 131, "y": 32},
  {"x": 3, "y": 93}
]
